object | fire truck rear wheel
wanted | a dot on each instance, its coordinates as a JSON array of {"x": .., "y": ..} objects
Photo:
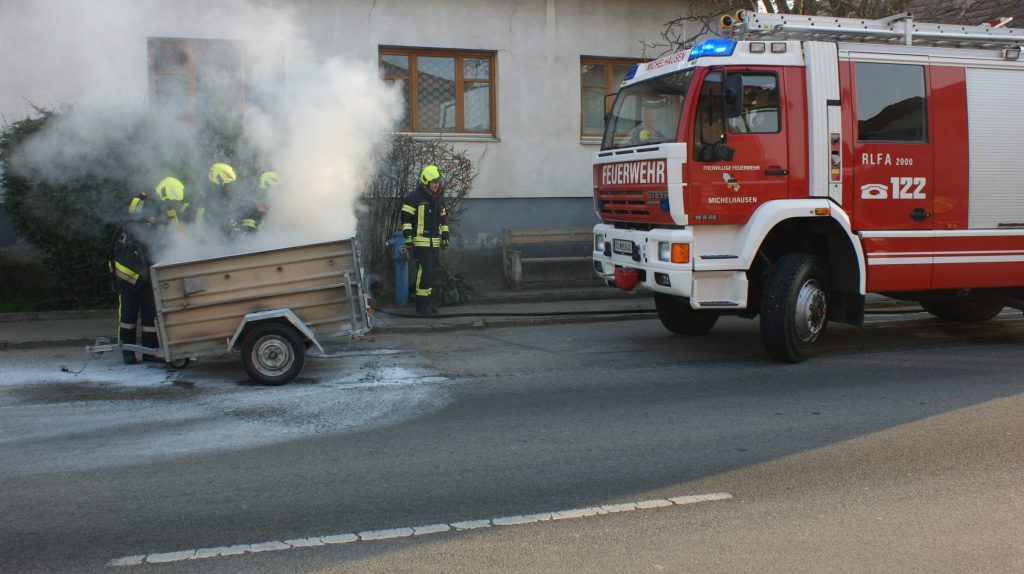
[
  {"x": 273, "y": 353},
  {"x": 794, "y": 308},
  {"x": 962, "y": 310},
  {"x": 677, "y": 316}
]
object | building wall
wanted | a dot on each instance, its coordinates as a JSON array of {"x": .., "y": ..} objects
[
  {"x": 537, "y": 151},
  {"x": 536, "y": 171}
]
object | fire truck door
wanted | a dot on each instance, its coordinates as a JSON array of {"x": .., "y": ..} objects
[
  {"x": 727, "y": 190},
  {"x": 892, "y": 152},
  {"x": 893, "y": 193}
]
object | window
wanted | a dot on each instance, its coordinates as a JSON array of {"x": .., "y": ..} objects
[
  {"x": 891, "y": 103},
  {"x": 760, "y": 109},
  {"x": 648, "y": 112},
  {"x": 200, "y": 78},
  {"x": 708, "y": 129},
  {"x": 598, "y": 78},
  {"x": 755, "y": 112},
  {"x": 445, "y": 91}
]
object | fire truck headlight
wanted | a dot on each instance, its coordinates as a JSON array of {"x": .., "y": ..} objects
[
  {"x": 673, "y": 252},
  {"x": 599, "y": 242}
]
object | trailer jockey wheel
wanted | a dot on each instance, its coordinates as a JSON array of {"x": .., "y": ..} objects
[
  {"x": 677, "y": 316},
  {"x": 273, "y": 353},
  {"x": 794, "y": 309}
]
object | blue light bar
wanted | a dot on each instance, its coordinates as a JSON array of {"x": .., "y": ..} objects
[
  {"x": 631, "y": 72},
  {"x": 713, "y": 47}
]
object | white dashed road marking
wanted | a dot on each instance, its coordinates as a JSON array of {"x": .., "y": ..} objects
[{"x": 405, "y": 532}]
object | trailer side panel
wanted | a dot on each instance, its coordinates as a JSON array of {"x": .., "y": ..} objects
[{"x": 200, "y": 304}]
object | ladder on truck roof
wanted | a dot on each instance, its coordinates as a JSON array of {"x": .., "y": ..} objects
[{"x": 896, "y": 29}]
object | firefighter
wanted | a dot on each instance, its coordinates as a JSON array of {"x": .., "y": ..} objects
[
  {"x": 129, "y": 261},
  {"x": 217, "y": 201},
  {"x": 269, "y": 179},
  {"x": 190, "y": 210},
  {"x": 170, "y": 195},
  {"x": 255, "y": 210},
  {"x": 644, "y": 133},
  {"x": 425, "y": 228}
]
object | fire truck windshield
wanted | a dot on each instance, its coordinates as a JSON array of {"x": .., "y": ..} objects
[{"x": 647, "y": 112}]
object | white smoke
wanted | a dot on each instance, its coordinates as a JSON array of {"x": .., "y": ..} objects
[{"x": 315, "y": 124}]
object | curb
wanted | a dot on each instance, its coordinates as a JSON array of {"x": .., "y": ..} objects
[
  {"x": 45, "y": 343},
  {"x": 598, "y": 294},
  {"x": 426, "y": 326},
  {"x": 57, "y": 315},
  {"x": 432, "y": 325},
  {"x": 437, "y": 325}
]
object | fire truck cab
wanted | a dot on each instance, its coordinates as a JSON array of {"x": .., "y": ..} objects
[{"x": 791, "y": 169}]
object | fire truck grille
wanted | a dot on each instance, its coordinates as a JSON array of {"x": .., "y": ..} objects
[{"x": 629, "y": 206}]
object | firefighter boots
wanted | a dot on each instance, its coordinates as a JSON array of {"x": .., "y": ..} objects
[{"x": 423, "y": 307}]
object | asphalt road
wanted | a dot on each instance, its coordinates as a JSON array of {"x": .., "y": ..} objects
[{"x": 898, "y": 449}]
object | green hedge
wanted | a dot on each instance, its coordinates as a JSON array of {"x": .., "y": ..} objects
[{"x": 62, "y": 218}]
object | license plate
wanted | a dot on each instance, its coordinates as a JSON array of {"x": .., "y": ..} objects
[{"x": 622, "y": 246}]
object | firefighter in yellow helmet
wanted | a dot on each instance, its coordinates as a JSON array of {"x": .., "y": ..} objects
[
  {"x": 425, "y": 228},
  {"x": 217, "y": 201},
  {"x": 269, "y": 179},
  {"x": 254, "y": 210},
  {"x": 148, "y": 218},
  {"x": 163, "y": 208},
  {"x": 222, "y": 174},
  {"x": 644, "y": 133}
]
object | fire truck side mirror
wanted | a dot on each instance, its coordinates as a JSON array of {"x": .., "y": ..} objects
[{"x": 733, "y": 95}]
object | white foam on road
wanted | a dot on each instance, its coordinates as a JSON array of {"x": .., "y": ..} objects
[
  {"x": 410, "y": 531},
  {"x": 113, "y": 414}
]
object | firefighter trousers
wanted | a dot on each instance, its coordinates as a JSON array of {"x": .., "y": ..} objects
[
  {"x": 134, "y": 300},
  {"x": 426, "y": 267}
]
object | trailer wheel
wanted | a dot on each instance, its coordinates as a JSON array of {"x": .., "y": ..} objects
[
  {"x": 180, "y": 363},
  {"x": 962, "y": 310},
  {"x": 677, "y": 316},
  {"x": 794, "y": 308},
  {"x": 273, "y": 353}
]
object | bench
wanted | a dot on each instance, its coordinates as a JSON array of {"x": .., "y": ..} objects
[{"x": 512, "y": 252}]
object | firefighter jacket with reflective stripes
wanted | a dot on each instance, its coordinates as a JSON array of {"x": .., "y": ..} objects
[
  {"x": 424, "y": 218},
  {"x": 128, "y": 254},
  {"x": 153, "y": 212},
  {"x": 128, "y": 257}
]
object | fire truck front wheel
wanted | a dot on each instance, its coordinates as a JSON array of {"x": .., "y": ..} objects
[
  {"x": 677, "y": 316},
  {"x": 794, "y": 308}
]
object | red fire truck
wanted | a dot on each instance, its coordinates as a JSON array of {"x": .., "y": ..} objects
[{"x": 791, "y": 169}]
